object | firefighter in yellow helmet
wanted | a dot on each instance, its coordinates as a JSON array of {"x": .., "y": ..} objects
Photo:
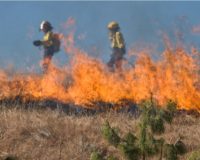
[
  {"x": 50, "y": 44},
  {"x": 117, "y": 45}
]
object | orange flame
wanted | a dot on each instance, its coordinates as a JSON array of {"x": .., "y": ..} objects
[
  {"x": 87, "y": 79},
  {"x": 175, "y": 77}
]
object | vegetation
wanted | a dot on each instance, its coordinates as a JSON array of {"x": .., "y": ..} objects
[
  {"x": 30, "y": 134},
  {"x": 195, "y": 155},
  {"x": 145, "y": 144}
]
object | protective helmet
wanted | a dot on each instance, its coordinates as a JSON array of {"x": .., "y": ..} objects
[
  {"x": 113, "y": 25},
  {"x": 45, "y": 24}
]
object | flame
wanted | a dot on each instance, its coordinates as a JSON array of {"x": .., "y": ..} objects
[
  {"x": 67, "y": 37},
  {"x": 87, "y": 79},
  {"x": 175, "y": 77},
  {"x": 196, "y": 29}
]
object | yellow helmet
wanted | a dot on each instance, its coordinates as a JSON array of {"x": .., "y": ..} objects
[{"x": 113, "y": 25}]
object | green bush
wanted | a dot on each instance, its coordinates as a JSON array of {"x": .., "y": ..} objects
[
  {"x": 152, "y": 146},
  {"x": 130, "y": 138},
  {"x": 168, "y": 113},
  {"x": 96, "y": 156},
  {"x": 144, "y": 145},
  {"x": 170, "y": 152},
  {"x": 167, "y": 116},
  {"x": 157, "y": 125},
  {"x": 171, "y": 106},
  {"x": 130, "y": 152},
  {"x": 110, "y": 134},
  {"x": 180, "y": 147}
]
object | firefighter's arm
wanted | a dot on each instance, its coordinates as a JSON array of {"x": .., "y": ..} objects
[
  {"x": 37, "y": 43},
  {"x": 120, "y": 40}
]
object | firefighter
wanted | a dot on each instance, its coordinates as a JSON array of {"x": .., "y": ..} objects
[
  {"x": 50, "y": 44},
  {"x": 117, "y": 45}
]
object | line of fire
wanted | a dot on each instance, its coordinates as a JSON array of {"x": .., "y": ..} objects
[{"x": 86, "y": 82}]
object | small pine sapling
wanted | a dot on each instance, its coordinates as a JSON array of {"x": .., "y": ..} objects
[
  {"x": 170, "y": 152},
  {"x": 110, "y": 134},
  {"x": 111, "y": 158},
  {"x": 96, "y": 156},
  {"x": 152, "y": 122},
  {"x": 173, "y": 150},
  {"x": 180, "y": 147},
  {"x": 129, "y": 147},
  {"x": 168, "y": 113}
]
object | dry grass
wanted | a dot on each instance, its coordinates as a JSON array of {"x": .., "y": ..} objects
[{"x": 51, "y": 135}]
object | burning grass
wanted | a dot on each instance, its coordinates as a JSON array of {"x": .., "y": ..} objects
[
  {"x": 46, "y": 134},
  {"x": 87, "y": 80}
]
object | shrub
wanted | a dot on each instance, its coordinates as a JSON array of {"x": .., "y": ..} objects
[
  {"x": 129, "y": 147},
  {"x": 152, "y": 121},
  {"x": 180, "y": 147},
  {"x": 170, "y": 152},
  {"x": 110, "y": 134},
  {"x": 10, "y": 158},
  {"x": 96, "y": 156},
  {"x": 130, "y": 152},
  {"x": 168, "y": 113},
  {"x": 157, "y": 125},
  {"x": 130, "y": 139},
  {"x": 111, "y": 158}
]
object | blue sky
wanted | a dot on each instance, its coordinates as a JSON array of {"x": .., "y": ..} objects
[{"x": 141, "y": 22}]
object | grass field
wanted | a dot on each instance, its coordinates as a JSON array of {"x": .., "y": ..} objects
[{"x": 52, "y": 135}]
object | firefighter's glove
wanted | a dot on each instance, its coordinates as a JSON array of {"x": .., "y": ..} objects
[{"x": 37, "y": 43}]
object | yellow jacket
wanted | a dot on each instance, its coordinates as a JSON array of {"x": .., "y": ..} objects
[
  {"x": 48, "y": 39},
  {"x": 117, "y": 40}
]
